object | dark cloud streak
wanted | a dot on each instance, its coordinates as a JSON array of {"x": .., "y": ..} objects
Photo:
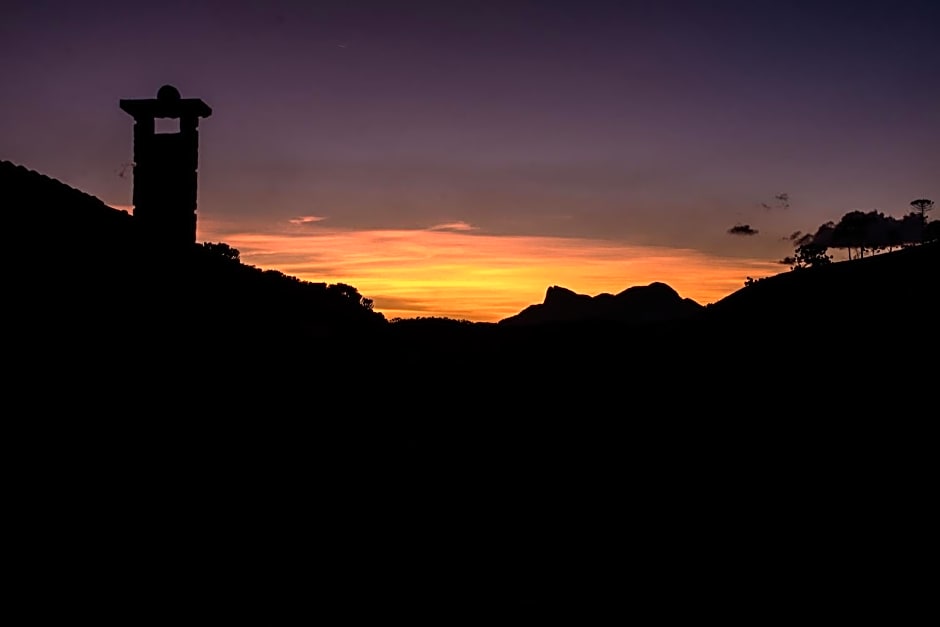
[{"x": 742, "y": 229}]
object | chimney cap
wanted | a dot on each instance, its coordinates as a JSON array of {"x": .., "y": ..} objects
[
  {"x": 167, "y": 104},
  {"x": 168, "y": 93}
]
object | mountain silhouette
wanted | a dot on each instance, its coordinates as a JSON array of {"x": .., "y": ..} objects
[
  {"x": 783, "y": 422},
  {"x": 653, "y": 302},
  {"x": 85, "y": 275}
]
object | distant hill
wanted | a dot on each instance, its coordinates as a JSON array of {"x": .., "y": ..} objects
[
  {"x": 896, "y": 287},
  {"x": 892, "y": 286},
  {"x": 653, "y": 302}
]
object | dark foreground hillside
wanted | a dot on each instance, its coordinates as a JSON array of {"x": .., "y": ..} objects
[{"x": 186, "y": 424}]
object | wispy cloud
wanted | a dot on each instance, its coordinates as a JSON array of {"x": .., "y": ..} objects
[
  {"x": 454, "y": 226},
  {"x": 458, "y": 274},
  {"x": 302, "y": 220}
]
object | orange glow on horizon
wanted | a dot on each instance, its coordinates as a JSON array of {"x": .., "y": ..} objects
[{"x": 451, "y": 271}]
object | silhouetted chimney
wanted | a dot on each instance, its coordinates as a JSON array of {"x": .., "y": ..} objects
[{"x": 165, "y": 166}]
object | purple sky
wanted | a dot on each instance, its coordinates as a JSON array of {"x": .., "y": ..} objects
[{"x": 644, "y": 122}]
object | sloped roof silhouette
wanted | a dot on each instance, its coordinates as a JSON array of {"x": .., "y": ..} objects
[{"x": 33, "y": 196}]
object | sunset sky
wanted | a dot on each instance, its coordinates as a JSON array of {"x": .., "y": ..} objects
[{"x": 457, "y": 158}]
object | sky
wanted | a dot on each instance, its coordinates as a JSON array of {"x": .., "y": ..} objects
[{"x": 457, "y": 158}]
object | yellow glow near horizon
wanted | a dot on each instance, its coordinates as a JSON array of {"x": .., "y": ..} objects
[{"x": 450, "y": 271}]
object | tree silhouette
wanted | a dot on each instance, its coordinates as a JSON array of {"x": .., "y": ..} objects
[
  {"x": 852, "y": 231},
  {"x": 351, "y": 293},
  {"x": 921, "y": 207},
  {"x": 874, "y": 231},
  {"x": 810, "y": 255},
  {"x": 222, "y": 250},
  {"x": 870, "y": 231}
]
